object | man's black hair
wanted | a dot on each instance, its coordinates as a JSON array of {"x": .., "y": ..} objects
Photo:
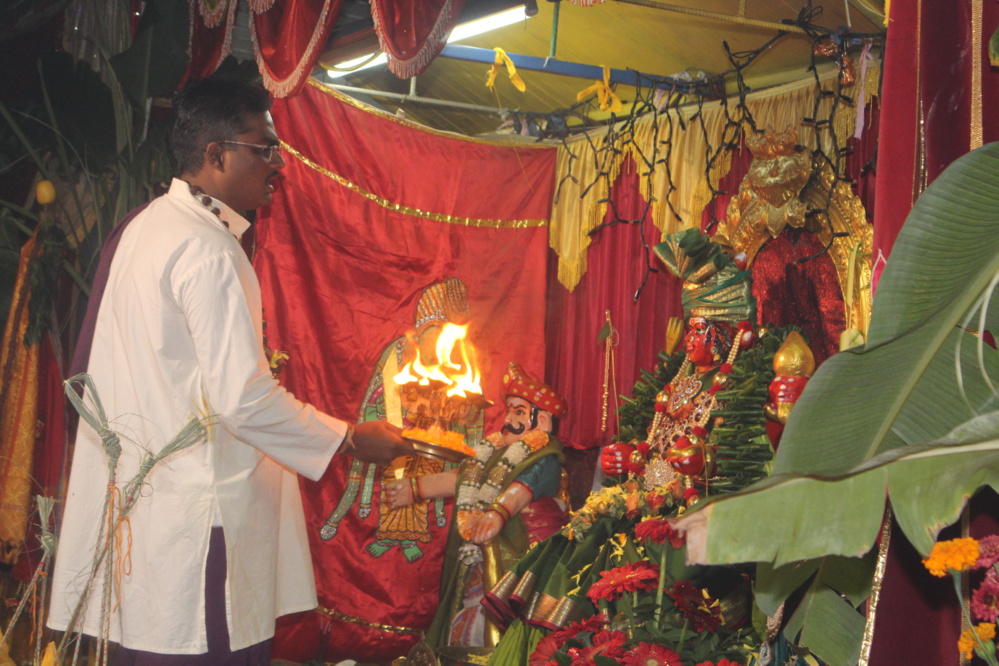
[{"x": 216, "y": 109}]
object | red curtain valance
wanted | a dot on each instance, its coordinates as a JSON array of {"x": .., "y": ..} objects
[
  {"x": 413, "y": 32},
  {"x": 288, "y": 38}
]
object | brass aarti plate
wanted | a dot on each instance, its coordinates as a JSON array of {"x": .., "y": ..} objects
[{"x": 436, "y": 451}]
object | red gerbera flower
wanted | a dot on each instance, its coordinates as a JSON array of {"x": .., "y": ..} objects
[
  {"x": 643, "y": 654},
  {"x": 605, "y": 644},
  {"x": 658, "y": 530},
  {"x": 695, "y": 605},
  {"x": 594, "y": 623},
  {"x": 545, "y": 650},
  {"x": 985, "y": 600},
  {"x": 642, "y": 575}
]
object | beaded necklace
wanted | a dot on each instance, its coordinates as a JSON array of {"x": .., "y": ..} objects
[{"x": 202, "y": 197}]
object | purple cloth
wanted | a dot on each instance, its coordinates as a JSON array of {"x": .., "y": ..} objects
[
  {"x": 81, "y": 358},
  {"x": 215, "y": 620}
]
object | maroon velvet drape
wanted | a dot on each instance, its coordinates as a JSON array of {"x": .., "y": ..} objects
[
  {"x": 370, "y": 212},
  {"x": 288, "y": 37},
  {"x": 925, "y": 125}
]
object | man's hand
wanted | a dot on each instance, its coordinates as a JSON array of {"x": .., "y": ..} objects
[{"x": 378, "y": 442}]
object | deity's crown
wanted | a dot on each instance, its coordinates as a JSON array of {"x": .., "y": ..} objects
[
  {"x": 713, "y": 286},
  {"x": 770, "y": 144},
  {"x": 442, "y": 302}
]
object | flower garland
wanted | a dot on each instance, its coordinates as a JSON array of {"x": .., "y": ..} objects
[
  {"x": 476, "y": 490},
  {"x": 961, "y": 555}
]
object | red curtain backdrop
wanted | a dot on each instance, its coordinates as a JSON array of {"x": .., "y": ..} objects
[
  {"x": 288, "y": 38},
  {"x": 372, "y": 212},
  {"x": 926, "y": 124},
  {"x": 413, "y": 32}
]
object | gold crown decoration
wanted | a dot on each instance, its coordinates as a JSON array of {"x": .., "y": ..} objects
[
  {"x": 442, "y": 301},
  {"x": 770, "y": 144}
]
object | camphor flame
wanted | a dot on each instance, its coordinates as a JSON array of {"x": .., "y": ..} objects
[{"x": 460, "y": 378}]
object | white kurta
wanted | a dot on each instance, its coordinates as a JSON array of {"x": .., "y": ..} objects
[{"x": 178, "y": 334}]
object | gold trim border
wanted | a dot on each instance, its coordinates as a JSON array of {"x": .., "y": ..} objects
[
  {"x": 414, "y": 212},
  {"x": 332, "y": 612}
]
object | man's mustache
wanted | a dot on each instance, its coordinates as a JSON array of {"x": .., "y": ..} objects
[{"x": 513, "y": 429}]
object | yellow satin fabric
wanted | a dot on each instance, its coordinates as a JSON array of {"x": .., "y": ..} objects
[{"x": 574, "y": 215}]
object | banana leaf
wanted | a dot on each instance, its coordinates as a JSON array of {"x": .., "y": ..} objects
[{"x": 912, "y": 417}]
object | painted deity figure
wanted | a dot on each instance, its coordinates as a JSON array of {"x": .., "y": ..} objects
[
  {"x": 400, "y": 549},
  {"x": 504, "y": 501}
]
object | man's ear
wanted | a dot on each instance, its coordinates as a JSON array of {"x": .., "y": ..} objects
[
  {"x": 213, "y": 156},
  {"x": 544, "y": 421}
]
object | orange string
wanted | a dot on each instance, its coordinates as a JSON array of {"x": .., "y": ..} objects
[{"x": 122, "y": 559}]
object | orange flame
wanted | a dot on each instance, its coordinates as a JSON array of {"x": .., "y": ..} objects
[{"x": 460, "y": 378}]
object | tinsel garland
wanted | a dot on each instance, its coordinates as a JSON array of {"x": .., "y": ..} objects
[{"x": 744, "y": 451}]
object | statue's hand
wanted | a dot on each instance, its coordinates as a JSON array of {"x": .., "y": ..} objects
[
  {"x": 614, "y": 458},
  {"x": 486, "y": 527},
  {"x": 397, "y": 493}
]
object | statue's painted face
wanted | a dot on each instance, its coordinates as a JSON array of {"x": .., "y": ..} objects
[
  {"x": 699, "y": 342},
  {"x": 518, "y": 419}
]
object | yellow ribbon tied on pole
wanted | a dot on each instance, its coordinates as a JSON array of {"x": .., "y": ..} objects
[
  {"x": 503, "y": 59},
  {"x": 605, "y": 96}
]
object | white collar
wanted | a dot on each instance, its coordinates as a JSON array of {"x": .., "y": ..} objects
[{"x": 236, "y": 223}]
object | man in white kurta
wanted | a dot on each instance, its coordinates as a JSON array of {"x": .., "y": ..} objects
[{"x": 178, "y": 335}]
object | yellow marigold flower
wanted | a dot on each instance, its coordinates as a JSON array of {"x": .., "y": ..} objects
[
  {"x": 953, "y": 555},
  {"x": 966, "y": 643}
]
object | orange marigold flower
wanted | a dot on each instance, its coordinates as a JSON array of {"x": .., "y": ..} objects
[
  {"x": 642, "y": 575},
  {"x": 953, "y": 555},
  {"x": 966, "y": 643}
]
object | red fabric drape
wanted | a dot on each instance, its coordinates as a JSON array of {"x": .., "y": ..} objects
[
  {"x": 614, "y": 272},
  {"x": 341, "y": 275},
  {"x": 925, "y": 125},
  {"x": 288, "y": 38},
  {"x": 413, "y": 32}
]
